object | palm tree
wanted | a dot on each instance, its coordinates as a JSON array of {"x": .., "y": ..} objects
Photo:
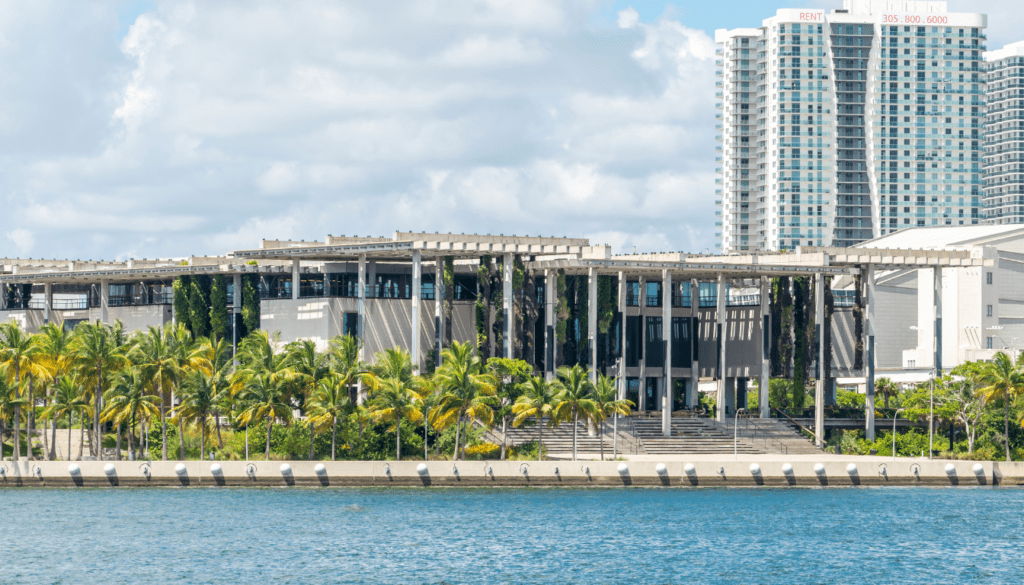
[
  {"x": 55, "y": 349},
  {"x": 199, "y": 396},
  {"x": 329, "y": 402},
  {"x": 887, "y": 388},
  {"x": 97, "y": 354},
  {"x": 68, "y": 399},
  {"x": 1003, "y": 381},
  {"x": 309, "y": 367},
  {"x": 573, "y": 399},
  {"x": 536, "y": 402},
  {"x": 265, "y": 394},
  {"x": 344, "y": 358},
  {"x": 392, "y": 400},
  {"x": 153, "y": 354},
  {"x": 19, "y": 353},
  {"x": 9, "y": 402},
  {"x": 127, "y": 401},
  {"x": 467, "y": 391},
  {"x": 607, "y": 403}
]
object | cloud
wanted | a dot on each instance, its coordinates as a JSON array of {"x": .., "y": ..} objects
[{"x": 212, "y": 125}]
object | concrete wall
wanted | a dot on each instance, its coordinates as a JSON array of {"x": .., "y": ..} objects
[
  {"x": 743, "y": 342},
  {"x": 724, "y": 473}
]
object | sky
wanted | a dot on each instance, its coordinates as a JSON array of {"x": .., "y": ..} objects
[{"x": 144, "y": 129}]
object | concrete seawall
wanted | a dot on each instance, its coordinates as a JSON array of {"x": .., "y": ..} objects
[{"x": 767, "y": 473}]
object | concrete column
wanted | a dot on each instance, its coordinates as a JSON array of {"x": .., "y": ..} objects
[
  {"x": 722, "y": 329},
  {"x": 642, "y": 300},
  {"x": 622, "y": 336},
  {"x": 296, "y": 277},
  {"x": 361, "y": 305},
  {"x": 819, "y": 383},
  {"x": 766, "y": 347},
  {"x": 506, "y": 303},
  {"x": 371, "y": 279},
  {"x": 104, "y": 301},
  {"x": 417, "y": 268},
  {"x": 550, "y": 288},
  {"x": 592, "y": 322},
  {"x": 48, "y": 302},
  {"x": 693, "y": 398},
  {"x": 868, "y": 282},
  {"x": 438, "y": 306},
  {"x": 236, "y": 310},
  {"x": 937, "y": 319},
  {"x": 666, "y": 331},
  {"x": 925, "y": 317}
]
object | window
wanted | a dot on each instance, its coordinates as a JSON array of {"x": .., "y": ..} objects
[
  {"x": 988, "y": 343},
  {"x": 988, "y": 309},
  {"x": 988, "y": 278}
]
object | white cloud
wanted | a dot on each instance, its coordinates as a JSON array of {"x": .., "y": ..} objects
[
  {"x": 212, "y": 125},
  {"x": 22, "y": 240}
]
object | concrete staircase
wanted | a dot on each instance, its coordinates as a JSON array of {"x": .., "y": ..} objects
[
  {"x": 689, "y": 435},
  {"x": 559, "y": 439},
  {"x": 772, "y": 435}
]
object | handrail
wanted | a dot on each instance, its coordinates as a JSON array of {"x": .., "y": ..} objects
[
  {"x": 802, "y": 427},
  {"x": 784, "y": 448}
]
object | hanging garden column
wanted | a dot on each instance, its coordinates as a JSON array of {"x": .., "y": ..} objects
[
  {"x": 47, "y": 302},
  {"x": 868, "y": 282},
  {"x": 361, "y": 305},
  {"x": 693, "y": 398},
  {"x": 766, "y": 347},
  {"x": 236, "y": 311},
  {"x": 722, "y": 329},
  {"x": 622, "y": 336},
  {"x": 438, "y": 309},
  {"x": 506, "y": 304},
  {"x": 666, "y": 335},
  {"x": 550, "y": 294},
  {"x": 592, "y": 322},
  {"x": 104, "y": 301},
  {"x": 417, "y": 277},
  {"x": 819, "y": 383},
  {"x": 296, "y": 277}
]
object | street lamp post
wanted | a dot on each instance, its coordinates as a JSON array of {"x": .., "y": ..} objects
[{"x": 894, "y": 433}]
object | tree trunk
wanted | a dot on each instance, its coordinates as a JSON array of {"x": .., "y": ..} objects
[
  {"x": 131, "y": 441},
  {"x": 117, "y": 442},
  {"x": 53, "y": 438},
  {"x": 540, "y": 436},
  {"x": 1006, "y": 428},
  {"x": 398, "y": 439},
  {"x": 17, "y": 430},
  {"x": 70, "y": 429},
  {"x": 458, "y": 427},
  {"x": 504, "y": 424},
  {"x": 270, "y": 423},
  {"x": 202, "y": 438},
  {"x": 28, "y": 420},
  {"x": 312, "y": 435},
  {"x": 163, "y": 416},
  {"x": 81, "y": 436},
  {"x": 97, "y": 449},
  {"x": 575, "y": 423},
  {"x": 334, "y": 434},
  {"x": 220, "y": 439},
  {"x": 181, "y": 438},
  {"x": 600, "y": 438}
]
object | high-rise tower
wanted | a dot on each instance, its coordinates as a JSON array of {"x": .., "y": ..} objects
[
  {"x": 1004, "y": 135},
  {"x": 844, "y": 126}
]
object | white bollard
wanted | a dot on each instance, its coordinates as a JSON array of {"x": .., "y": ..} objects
[
  {"x": 286, "y": 469},
  {"x": 215, "y": 469},
  {"x": 661, "y": 469},
  {"x": 73, "y": 469},
  {"x": 819, "y": 469},
  {"x": 755, "y": 469},
  {"x": 421, "y": 469},
  {"x": 623, "y": 468},
  {"x": 180, "y": 469},
  {"x": 787, "y": 469},
  {"x": 950, "y": 469},
  {"x": 109, "y": 469},
  {"x": 689, "y": 469},
  {"x": 320, "y": 469},
  {"x": 978, "y": 469},
  {"x": 851, "y": 469}
]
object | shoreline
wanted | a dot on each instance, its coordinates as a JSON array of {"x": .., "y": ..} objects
[{"x": 749, "y": 471}]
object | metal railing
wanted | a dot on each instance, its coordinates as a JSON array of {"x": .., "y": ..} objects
[{"x": 761, "y": 434}]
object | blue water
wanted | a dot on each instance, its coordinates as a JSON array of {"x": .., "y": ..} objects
[{"x": 512, "y": 536}]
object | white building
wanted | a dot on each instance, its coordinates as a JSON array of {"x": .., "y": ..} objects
[
  {"x": 843, "y": 126},
  {"x": 981, "y": 307},
  {"x": 1004, "y": 134}
]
